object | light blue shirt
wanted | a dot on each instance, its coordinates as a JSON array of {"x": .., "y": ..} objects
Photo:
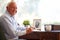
[{"x": 10, "y": 26}]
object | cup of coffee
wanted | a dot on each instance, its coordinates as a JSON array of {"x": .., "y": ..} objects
[{"x": 48, "y": 27}]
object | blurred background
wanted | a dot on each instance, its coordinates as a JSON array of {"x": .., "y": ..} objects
[{"x": 46, "y": 10}]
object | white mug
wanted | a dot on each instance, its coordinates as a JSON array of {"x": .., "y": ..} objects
[{"x": 48, "y": 27}]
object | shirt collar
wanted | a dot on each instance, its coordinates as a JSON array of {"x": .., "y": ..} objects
[{"x": 7, "y": 13}]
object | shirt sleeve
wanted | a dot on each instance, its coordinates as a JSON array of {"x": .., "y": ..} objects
[
  {"x": 20, "y": 33},
  {"x": 21, "y": 30}
]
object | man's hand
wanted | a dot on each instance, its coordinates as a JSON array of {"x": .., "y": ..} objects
[{"x": 28, "y": 30}]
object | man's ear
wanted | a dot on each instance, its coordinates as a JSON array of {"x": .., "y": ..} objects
[{"x": 7, "y": 7}]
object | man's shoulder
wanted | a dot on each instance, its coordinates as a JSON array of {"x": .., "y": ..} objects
[{"x": 3, "y": 17}]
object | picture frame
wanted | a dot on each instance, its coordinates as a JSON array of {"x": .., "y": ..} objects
[{"x": 37, "y": 23}]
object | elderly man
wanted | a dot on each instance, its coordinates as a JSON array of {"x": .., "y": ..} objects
[{"x": 9, "y": 25}]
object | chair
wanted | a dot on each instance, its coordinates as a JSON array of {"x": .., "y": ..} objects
[{"x": 2, "y": 36}]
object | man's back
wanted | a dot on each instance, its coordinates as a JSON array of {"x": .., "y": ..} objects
[
  {"x": 5, "y": 23},
  {"x": 2, "y": 36}
]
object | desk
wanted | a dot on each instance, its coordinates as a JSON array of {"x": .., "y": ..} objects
[{"x": 42, "y": 36}]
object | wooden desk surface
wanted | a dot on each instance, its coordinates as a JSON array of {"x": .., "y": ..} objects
[{"x": 53, "y": 35}]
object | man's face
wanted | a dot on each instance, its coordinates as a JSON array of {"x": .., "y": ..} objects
[{"x": 12, "y": 8}]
